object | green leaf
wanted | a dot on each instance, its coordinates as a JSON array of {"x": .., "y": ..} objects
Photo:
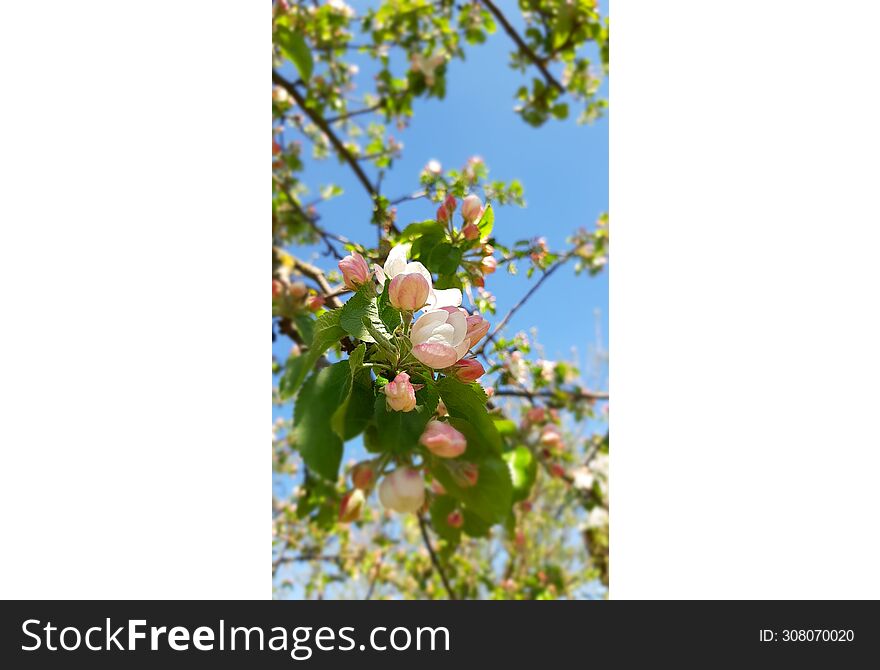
[
  {"x": 473, "y": 525},
  {"x": 352, "y": 315},
  {"x": 351, "y": 417},
  {"x": 399, "y": 432},
  {"x": 444, "y": 258},
  {"x": 468, "y": 402},
  {"x": 389, "y": 316},
  {"x": 505, "y": 426},
  {"x": 305, "y": 324},
  {"x": 492, "y": 496},
  {"x": 523, "y": 470},
  {"x": 560, "y": 111},
  {"x": 294, "y": 47},
  {"x": 487, "y": 222},
  {"x": 327, "y": 332},
  {"x": 319, "y": 445}
]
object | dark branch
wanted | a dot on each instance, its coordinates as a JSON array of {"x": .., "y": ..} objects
[
  {"x": 523, "y": 47},
  {"x": 434, "y": 560},
  {"x": 319, "y": 121},
  {"x": 577, "y": 394},
  {"x": 524, "y": 299}
]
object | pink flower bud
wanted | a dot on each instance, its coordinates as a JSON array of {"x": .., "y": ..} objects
[
  {"x": 277, "y": 288},
  {"x": 557, "y": 470},
  {"x": 315, "y": 302},
  {"x": 471, "y": 208},
  {"x": 443, "y": 440},
  {"x": 400, "y": 395},
  {"x": 468, "y": 370},
  {"x": 477, "y": 327},
  {"x": 551, "y": 436},
  {"x": 464, "y": 474},
  {"x": 536, "y": 415},
  {"x": 437, "y": 488},
  {"x": 355, "y": 270},
  {"x": 488, "y": 265},
  {"x": 470, "y": 231},
  {"x": 445, "y": 210},
  {"x": 409, "y": 291},
  {"x": 363, "y": 475},
  {"x": 455, "y": 518},
  {"x": 351, "y": 506},
  {"x": 403, "y": 490}
]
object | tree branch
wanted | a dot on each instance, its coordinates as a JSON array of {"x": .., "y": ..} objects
[
  {"x": 318, "y": 277},
  {"x": 577, "y": 395},
  {"x": 522, "y": 301},
  {"x": 319, "y": 121},
  {"x": 434, "y": 560},
  {"x": 357, "y": 112},
  {"x": 523, "y": 47}
]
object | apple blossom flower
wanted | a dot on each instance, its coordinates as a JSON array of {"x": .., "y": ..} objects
[
  {"x": 536, "y": 415},
  {"x": 439, "y": 338},
  {"x": 427, "y": 65},
  {"x": 557, "y": 470},
  {"x": 446, "y": 209},
  {"x": 443, "y": 440},
  {"x": 488, "y": 265},
  {"x": 598, "y": 518},
  {"x": 297, "y": 289},
  {"x": 468, "y": 370},
  {"x": 548, "y": 370},
  {"x": 341, "y": 7},
  {"x": 583, "y": 478},
  {"x": 355, "y": 270},
  {"x": 455, "y": 518},
  {"x": 470, "y": 231},
  {"x": 550, "y": 436},
  {"x": 397, "y": 264},
  {"x": 433, "y": 167},
  {"x": 477, "y": 327},
  {"x": 516, "y": 367},
  {"x": 409, "y": 291},
  {"x": 363, "y": 475},
  {"x": 471, "y": 208},
  {"x": 351, "y": 505},
  {"x": 400, "y": 394},
  {"x": 403, "y": 490}
]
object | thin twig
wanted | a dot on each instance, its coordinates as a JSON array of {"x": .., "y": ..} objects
[
  {"x": 525, "y": 298},
  {"x": 577, "y": 395},
  {"x": 523, "y": 47},
  {"x": 319, "y": 121},
  {"x": 357, "y": 112},
  {"x": 434, "y": 560}
]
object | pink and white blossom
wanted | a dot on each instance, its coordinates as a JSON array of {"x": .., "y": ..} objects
[{"x": 439, "y": 337}]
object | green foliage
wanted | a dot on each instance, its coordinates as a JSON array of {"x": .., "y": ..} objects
[
  {"x": 523, "y": 471},
  {"x": 326, "y": 333},
  {"x": 468, "y": 402},
  {"x": 491, "y": 497},
  {"x": 399, "y": 432}
]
